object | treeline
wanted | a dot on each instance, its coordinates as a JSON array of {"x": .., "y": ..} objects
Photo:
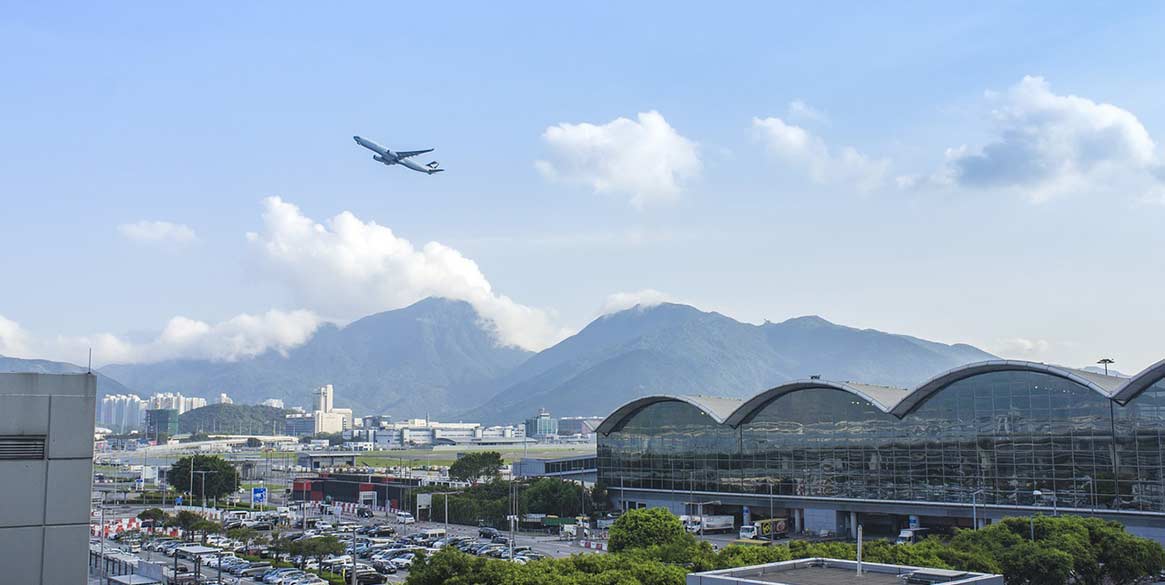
[
  {"x": 489, "y": 502},
  {"x": 650, "y": 547}
]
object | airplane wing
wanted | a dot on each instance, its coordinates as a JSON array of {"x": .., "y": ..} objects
[{"x": 408, "y": 153}]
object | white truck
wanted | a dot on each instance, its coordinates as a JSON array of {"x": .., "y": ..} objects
[
  {"x": 770, "y": 529},
  {"x": 708, "y": 524},
  {"x": 911, "y": 535}
]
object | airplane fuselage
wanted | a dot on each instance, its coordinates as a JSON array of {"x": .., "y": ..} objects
[{"x": 388, "y": 157}]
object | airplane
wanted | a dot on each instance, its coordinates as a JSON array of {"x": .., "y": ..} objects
[{"x": 388, "y": 157}]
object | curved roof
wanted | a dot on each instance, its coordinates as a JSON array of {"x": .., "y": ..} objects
[
  {"x": 896, "y": 401},
  {"x": 882, "y": 397},
  {"x": 1138, "y": 383},
  {"x": 1101, "y": 384},
  {"x": 715, "y": 407}
]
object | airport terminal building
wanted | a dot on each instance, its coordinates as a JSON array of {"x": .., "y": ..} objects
[{"x": 980, "y": 442}]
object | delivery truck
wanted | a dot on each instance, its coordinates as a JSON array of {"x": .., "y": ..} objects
[
  {"x": 770, "y": 529},
  {"x": 707, "y": 524}
]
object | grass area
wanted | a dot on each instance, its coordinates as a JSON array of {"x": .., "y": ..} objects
[{"x": 425, "y": 457}]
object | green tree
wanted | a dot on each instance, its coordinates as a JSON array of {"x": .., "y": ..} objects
[
  {"x": 220, "y": 481},
  {"x": 206, "y": 527},
  {"x": 472, "y": 466},
  {"x": 600, "y": 497},
  {"x": 184, "y": 520},
  {"x": 316, "y": 548},
  {"x": 555, "y": 496},
  {"x": 154, "y": 516},
  {"x": 245, "y": 535},
  {"x": 1031, "y": 564},
  {"x": 646, "y": 527}
]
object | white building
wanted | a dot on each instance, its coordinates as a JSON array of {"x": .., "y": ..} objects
[
  {"x": 122, "y": 413},
  {"x": 174, "y": 401},
  {"x": 419, "y": 432},
  {"x": 46, "y": 425},
  {"x": 224, "y": 399},
  {"x": 323, "y": 398},
  {"x": 273, "y": 402}
]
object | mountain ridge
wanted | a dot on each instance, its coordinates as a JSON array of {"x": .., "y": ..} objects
[{"x": 439, "y": 358}]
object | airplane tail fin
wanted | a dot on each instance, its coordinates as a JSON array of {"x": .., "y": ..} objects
[
  {"x": 431, "y": 171},
  {"x": 433, "y": 167}
]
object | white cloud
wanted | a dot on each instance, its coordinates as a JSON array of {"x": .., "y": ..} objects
[
  {"x": 646, "y": 159},
  {"x": 13, "y": 338},
  {"x": 242, "y": 336},
  {"x": 348, "y": 268},
  {"x": 1047, "y": 145},
  {"x": 643, "y": 299},
  {"x": 799, "y": 110},
  {"x": 157, "y": 231},
  {"x": 1020, "y": 347},
  {"x": 796, "y": 147}
]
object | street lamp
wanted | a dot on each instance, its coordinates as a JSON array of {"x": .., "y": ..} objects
[
  {"x": 700, "y": 507},
  {"x": 975, "y": 508},
  {"x": 1104, "y": 362},
  {"x": 203, "y": 474},
  {"x": 445, "y": 496},
  {"x": 1036, "y": 494}
]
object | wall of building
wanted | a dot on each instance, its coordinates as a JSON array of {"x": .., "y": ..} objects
[
  {"x": 44, "y": 516},
  {"x": 1009, "y": 442}
]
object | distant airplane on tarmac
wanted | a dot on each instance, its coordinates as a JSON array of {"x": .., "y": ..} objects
[{"x": 388, "y": 157}]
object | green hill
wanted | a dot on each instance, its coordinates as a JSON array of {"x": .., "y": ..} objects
[{"x": 233, "y": 419}]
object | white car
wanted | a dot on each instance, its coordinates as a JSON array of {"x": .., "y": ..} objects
[
  {"x": 405, "y": 518},
  {"x": 404, "y": 561}
]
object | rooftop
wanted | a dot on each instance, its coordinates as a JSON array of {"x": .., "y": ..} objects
[{"x": 820, "y": 571}]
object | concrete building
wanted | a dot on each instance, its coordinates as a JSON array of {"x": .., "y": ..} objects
[
  {"x": 323, "y": 398},
  {"x": 310, "y": 424},
  {"x": 161, "y": 422},
  {"x": 273, "y": 402},
  {"x": 122, "y": 413},
  {"x": 819, "y": 571},
  {"x": 175, "y": 401},
  {"x": 419, "y": 432},
  {"x": 967, "y": 447},
  {"x": 582, "y": 468},
  {"x": 578, "y": 425},
  {"x": 542, "y": 426},
  {"x": 323, "y": 459},
  {"x": 46, "y": 460},
  {"x": 346, "y": 422},
  {"x": 224, "y": 399}
]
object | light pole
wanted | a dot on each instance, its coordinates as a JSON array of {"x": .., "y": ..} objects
[
  {"x": 1032, "y": 518},
  {"x": 772, "y": 528},
  {"x": 1104, "y": 362},
  {"x": 700, "y": 507},
  {"x": 445, "y": 496},
  {"x": 975, "y": 509},
  {"x": 203, "y": 474}
]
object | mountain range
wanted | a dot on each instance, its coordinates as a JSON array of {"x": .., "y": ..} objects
[{"x": 440, "y": 358}]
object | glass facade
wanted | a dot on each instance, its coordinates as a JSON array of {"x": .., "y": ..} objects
[{"x": 998, "y": 435}]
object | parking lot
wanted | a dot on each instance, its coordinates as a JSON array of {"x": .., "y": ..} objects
[{"x": 384, "y": 550}]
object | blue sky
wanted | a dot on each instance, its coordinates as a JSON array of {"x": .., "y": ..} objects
[{"x": 990, "y": 175}]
